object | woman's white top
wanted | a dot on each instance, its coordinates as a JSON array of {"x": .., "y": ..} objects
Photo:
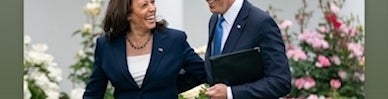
[{"x": 137, "y": 66}]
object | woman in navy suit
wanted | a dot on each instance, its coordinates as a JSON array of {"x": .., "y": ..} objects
[{"x": 140, "y": 56}]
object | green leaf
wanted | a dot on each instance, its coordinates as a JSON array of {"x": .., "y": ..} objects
[{"x": 76, "y": 32}]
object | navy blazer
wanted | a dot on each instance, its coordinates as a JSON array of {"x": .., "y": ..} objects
[
  {"x": 255, "y": 28},
  {"x": 170, "y": 53}
]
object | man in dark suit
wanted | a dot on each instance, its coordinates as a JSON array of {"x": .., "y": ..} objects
[{"x": 236, "y": 25}]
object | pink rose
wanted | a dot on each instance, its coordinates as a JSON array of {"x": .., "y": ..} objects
[
  {"x": 348, "y": 31},
  {"x": 309, "y": 83},
  {"x": 352, "y": 32},
  {"x": 342, "y": 74},
  {"x": 312, "y": 96},
  {"x": 304, "y": 82},
  {"x": 332, "y": 18},
  {"x": 323, "y": 61},
  {"x": 335, "y": 83},
  {"x": 334, "y": 8},
  {"x": 360, "y": 76},
  {"x": 323, "y": 29},
  {"x": 285, "y": 24},
  {"x": 356, "y": 49},
  {"x": 315, "y": 39},
  {"x": 299, "y": 83},
  {"x": 336, "y": 60},
  {"x": 296, "y": 54}
]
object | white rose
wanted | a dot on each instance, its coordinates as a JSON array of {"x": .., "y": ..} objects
[
  {"x": 76, "y": 93},
  {"x": 93, "y": 8},
  {"x": 81, "y": 54},
  {"x": 81, "y": 71},
  {"x": 55, "y": 73},
  {"x": 201, "y": 50},
  {"x": 88, "y": 28},
  {"x": 39, "y": 47},
  {"x": 27, "y": 39},
  {"x": 26, "y": 91},
  {"x": 192, "y": 93},
  {"x": 99, "y": 1},
  {"x": 39, "y": 58},
  {"x": 52, "y": 94},
  {"x": 40, "y": 78}
]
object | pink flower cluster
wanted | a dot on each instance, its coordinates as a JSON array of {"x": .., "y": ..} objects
[
  {"x": 314, "y": 96},
  {"x": 348, "y": 31},
  {"x": 356, "y": 49},
  {"x": 315, "y": 39},
  {"x": 360, "y": 76},
  {"x": 342, "y": 74},
  {"x": 305, "y": 82},
  {"x": 335, "y": 83},
  {"x": 296, "y": 54},
  {"x": 285, "y": 24},
  {"x": 323, "y": 62}
]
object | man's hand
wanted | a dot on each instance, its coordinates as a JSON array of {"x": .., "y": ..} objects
[{"x": 218, "y": 91}]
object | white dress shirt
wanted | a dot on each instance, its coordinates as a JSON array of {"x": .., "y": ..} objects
[{"x": 230, "y": 16}]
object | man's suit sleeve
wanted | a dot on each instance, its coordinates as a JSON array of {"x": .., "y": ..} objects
[
  {"x": 277, "y": 80},
  {"x": 96, "y": 87}
]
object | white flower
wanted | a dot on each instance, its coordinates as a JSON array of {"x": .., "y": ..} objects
[
  {"x": 81, "y": 54},
  {"x": 39, "y": 47},
  {"x": 27, "y": 39},
  {"x": 99, "y": 1},
  {"x": 82, "y": 71},
  {"x": 93, "y": 8},
  {"x": 192, "y": 93},
  {"x": 88, "y": 28},
  {"x": 26, "y": 91},
  {"x": 39, "y": 58},
  {"x": 40, "y": 78},
  {"x": 200, "y": 50},
  {"x": 76, "y": 93},
  {"x": 55, "y": 73},
  {"x": 52, "y": 94}
]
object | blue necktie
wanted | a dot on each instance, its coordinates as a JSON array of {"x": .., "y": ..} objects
[{"x": 218, "y": 36}]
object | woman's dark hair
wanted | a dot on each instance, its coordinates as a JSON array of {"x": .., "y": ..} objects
[{"x": 115, "y": 23}]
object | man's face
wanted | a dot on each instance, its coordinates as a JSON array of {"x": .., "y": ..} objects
[{"x": 219, "y": 6}]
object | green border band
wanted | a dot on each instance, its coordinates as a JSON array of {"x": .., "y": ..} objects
[
  {"x": 376, "y": 26},
  {"x": 11, "y": 51}
]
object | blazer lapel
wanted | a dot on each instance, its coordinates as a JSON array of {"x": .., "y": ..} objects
[
  {"x": 237, "y": 29},
  {"x": 121, "y": 57},
  {"x": 158, "y": 47},
  {"x": 212, "y": 25}
]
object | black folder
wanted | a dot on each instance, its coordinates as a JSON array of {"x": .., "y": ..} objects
[{"x": 237, "y": 67}]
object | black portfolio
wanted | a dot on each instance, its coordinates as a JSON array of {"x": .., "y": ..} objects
[{"x": 237, "y": 67}]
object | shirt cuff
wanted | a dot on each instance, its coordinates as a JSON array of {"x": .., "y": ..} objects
[{"x": 229, "y": 92}]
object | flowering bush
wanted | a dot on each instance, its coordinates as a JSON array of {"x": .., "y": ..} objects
[
  {"x": 328, "y": 61},
  {"x": 41, "y": 73}
]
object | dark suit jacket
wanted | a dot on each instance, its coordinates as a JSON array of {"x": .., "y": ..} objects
[
  {"x": 170, "y": 53},
  {"x": 255, "y": 28}
]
